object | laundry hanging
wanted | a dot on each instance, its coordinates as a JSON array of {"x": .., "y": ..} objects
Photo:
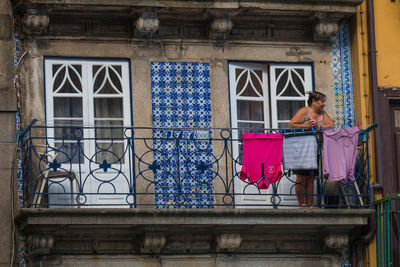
[
  {"x": 339, "y": 153},
  {"x": 262, "y": 158},
  {"x": 300, "y": 152}
]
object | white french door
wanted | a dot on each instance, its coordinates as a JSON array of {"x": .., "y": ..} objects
[
  {"x": 249, "y": 111},
  {"x": 89, "y": 99},
  {"x": 264, "y": 96}
]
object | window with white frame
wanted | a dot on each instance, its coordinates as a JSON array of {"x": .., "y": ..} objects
[
  {"x": 267, "y": 95},
  {"x": 87, "y": 92},
  {"x": 264, "y": 96}
]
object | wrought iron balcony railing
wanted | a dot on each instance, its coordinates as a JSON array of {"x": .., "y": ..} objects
[
  {"x": 76, "y": 166},
  {"x": 388, "y": 230}
]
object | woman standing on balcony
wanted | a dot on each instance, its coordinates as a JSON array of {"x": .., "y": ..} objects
[{"x": 314, "y": 115}]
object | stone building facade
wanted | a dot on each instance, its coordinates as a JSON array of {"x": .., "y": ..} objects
[{"x": 195, "y": 64}]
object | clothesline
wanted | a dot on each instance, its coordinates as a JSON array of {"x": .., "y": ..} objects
[
  {"x": 294, "y": 131},
  {"x": 299, "y": 153},
  {"x": 44, "y": 124}
]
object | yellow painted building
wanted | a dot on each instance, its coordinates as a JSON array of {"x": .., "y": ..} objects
[
  {"x": 387, "y": 33},
  {"x": 376, "y": 91}
]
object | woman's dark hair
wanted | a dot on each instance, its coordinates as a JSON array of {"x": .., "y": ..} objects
[{"x": 315, "y": 96}]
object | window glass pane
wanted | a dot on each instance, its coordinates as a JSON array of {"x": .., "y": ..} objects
[
  {"x": 290, "y": 80},
  {"x": 295, "y": 82},
  {"x": 78, "y": 69},
  {"x": 55, "y": 68},
  {"x": 289, "y": 90},
  {"x": 281, "y": 81},
  {"x": 68, "y": 107},
  {"x": 249, "y": 80},
  {"x": 107, "y": 80},
  {"x": 287, "y": 109},
  {"x": 59, "y": 73},
  {"x": 67, "y": 130},
  {"x": 250, "y": 110},
  {"x": 300, "y": 72},
  {"x": 118, "y": 69},
  {"x": 248, "y": 127},
  {"x": 67, "y": 79},
  {"x": 109, "y": 129},
  {"x": 69, "y": 152},
  {"x": 108, "y": 108},
  {"x": 114, "y": 76},
  {"x": 110, "y": 152},
  {"x": 238, "y": 71},
  {"x": 278, "y": 72}
]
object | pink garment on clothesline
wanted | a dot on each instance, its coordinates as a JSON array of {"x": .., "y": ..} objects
[
  {"x": 262, "y": 150},
  {"x": 339, "y": 153}
]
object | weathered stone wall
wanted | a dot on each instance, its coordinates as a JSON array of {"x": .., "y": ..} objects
[
  {"x": 84, "y": 31},
  {"x": 141, "y": 54},
  {"x": 7, "y": 132}
]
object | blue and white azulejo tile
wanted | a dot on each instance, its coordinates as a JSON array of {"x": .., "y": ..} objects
[
  {"x": 181, "y": 99},
  {"x": 342, "y": 77}
]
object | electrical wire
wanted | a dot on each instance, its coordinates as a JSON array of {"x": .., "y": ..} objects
[{"x": 20, "y": 59}]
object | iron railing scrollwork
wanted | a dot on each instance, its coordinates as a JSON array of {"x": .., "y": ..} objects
[{"x": 76, "y": 166}]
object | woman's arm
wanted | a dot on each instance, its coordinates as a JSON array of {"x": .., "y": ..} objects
[
  {"x": 298, "y": 119},
  {"x": 328, "y": 123}
]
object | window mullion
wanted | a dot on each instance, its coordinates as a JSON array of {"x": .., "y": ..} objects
[
  {"x": 88, "y": 109},
  {"x": 274, "y": 111},
  {"x": 126, "y": 95},
  {"x": 267, "y": 115}
]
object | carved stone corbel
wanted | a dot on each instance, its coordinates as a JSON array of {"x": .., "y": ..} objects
[
  {"x": 221, "y": 28},
  {"x": 153, "y": 243},
  {"x": 40, "y": 244},
  {"x": 221, "y": 23},
  {"x": 36, "y": 23},
  {"x": 228, "y": 242},
  {"x": 147, "y": 22},
  {"x": 336, "y": 241},
  {"x": 326, "y": 26},
  {"x": 325, "y": 30}
]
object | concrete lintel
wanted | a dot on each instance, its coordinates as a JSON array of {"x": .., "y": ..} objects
[{"x": 145, "y": 217}]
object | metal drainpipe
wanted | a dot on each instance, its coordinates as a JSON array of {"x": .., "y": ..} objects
[
  {"x": 366, "y": 238},
  {"x": 374, "y": 86}
]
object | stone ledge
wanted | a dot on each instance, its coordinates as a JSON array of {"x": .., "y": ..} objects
[
  {"x": 209, "y": 20},
  {"x": 218, "y": 260},
  {"x": 307, "y": 5},
  {"x": 168, "y": 231},
  {"x": 117, "y": 216}
]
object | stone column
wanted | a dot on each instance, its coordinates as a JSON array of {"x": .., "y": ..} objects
[{"x": 7, "y": 129}]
